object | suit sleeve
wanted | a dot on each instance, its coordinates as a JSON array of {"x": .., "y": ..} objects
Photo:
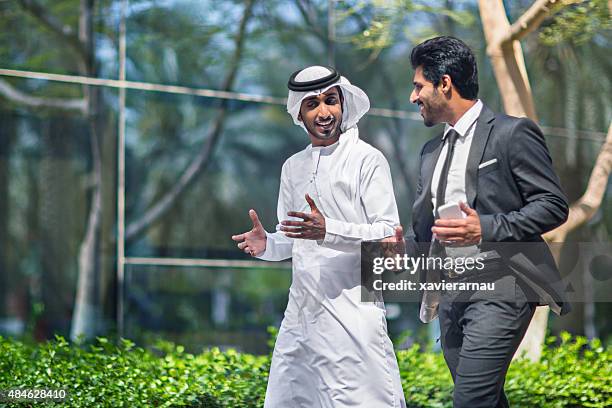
[
  {"x": 278, "y": 245},
  {"x": 413, "y": 248},
  {"x": 378, "y": 201},
  {"x": 545, "y": 206}
]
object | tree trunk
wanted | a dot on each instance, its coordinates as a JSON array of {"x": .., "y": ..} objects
[
  {"x": 511, "y": 75},
  {"x": 507, "y": 60},
  {"x": 504, "y": 50},
  {"x": 86, "y": 313}
]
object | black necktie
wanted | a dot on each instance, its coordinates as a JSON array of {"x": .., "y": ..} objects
[{"x": 451, "y": 137}]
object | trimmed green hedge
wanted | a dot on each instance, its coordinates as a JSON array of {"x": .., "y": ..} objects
[{"x": 574, "y": 374}]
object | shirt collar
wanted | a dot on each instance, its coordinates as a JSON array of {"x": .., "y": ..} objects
[
  {"x": 327, "y": 149},
  {"x": 465, "y": 122}
]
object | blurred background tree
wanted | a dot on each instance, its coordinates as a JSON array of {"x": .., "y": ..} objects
[{"x": 195, "y": 165}]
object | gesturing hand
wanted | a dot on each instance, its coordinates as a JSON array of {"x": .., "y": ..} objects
[
  {"x": 394, "y": 245},
  {"x": 312, "y": 226},
  {"x": 459, "y": 231},
  {"x": 252, "y": 242}
]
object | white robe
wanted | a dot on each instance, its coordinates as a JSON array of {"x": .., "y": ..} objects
[{"x": 332, "y": 350}]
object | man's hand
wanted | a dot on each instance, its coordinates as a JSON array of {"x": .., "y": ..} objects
[
  {"x": 459, "y": 232},
  {"x": 312, "y": 226},
  {"x": 254, "y": 241},
  {"x": 394, "y": 245}
]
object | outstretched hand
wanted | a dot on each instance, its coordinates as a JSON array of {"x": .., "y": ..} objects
[
  {"x": 252, "y": 242},
  {"x": 312, "y": 225}
]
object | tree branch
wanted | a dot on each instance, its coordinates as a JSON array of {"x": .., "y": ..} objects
[
  {"x": 310, "y": 19},
  {"x": 195, "y": 168},
  {"x": 18, "y": 96},
  {"x": 585, "y": 208},
  {"x": 533, "y": 17},
  {"x": 507, "y": 61},
  {"x": 199, "y": 163},
  {"x": 63, "y": 31}
]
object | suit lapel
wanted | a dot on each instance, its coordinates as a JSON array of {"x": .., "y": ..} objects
[
  {"x": 479, "y": 142},
  {"x": 429, "y": 165},
  {"x": 423, "y": 209}
]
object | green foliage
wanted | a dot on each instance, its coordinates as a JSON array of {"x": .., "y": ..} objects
[
  {"x": 578, "y": 23},
  {"x": 574, "y": 374},
  {"x": 109, "y": 375},
  {"x": 425, "y": 378},
  {"x": 386, "y": 22}
]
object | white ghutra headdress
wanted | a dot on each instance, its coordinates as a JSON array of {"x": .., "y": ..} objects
[{"x": 316, "y": 80}]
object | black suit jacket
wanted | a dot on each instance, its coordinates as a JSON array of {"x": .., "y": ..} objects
[{"x": 518, "y": 198}]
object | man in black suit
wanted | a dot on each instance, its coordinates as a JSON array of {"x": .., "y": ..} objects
[{"x": 498, "y": 169}]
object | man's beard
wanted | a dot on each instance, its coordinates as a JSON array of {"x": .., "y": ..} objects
[
  {"x": 432, "y": 110},
  {"x": 431, "y": 115},
  {"x": 333, "y": 133},
  {"x": 428, "y": 122}
]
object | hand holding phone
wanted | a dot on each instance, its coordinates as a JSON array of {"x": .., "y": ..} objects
[
  {"x": 450, "y": 210},
  {"x": 457, "y": 225}
]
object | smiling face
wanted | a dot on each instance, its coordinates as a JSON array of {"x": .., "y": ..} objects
[
  {"x": 430, "y": 99},
  {"x": 322, "y": 117}
]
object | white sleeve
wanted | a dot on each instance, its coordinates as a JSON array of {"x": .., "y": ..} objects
[
  {"x": 278, "y": 245},
  {"x": 378, "y": 201}
]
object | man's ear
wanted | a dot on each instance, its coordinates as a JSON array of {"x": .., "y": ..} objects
[{"x": 446, "y": 84}]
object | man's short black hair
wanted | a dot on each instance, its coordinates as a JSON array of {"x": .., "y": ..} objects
[{"x": 448, "y": 56}]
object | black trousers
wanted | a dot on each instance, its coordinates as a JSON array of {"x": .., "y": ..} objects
[{"x": 480, "y": 333}]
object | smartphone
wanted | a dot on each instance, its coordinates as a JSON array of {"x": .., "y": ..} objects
[{"x": 450, "y": 210}]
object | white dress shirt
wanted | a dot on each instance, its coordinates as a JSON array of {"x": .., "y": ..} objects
[{"x": 455, "y": 186}]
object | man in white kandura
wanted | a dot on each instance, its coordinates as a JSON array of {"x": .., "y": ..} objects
[{"x": 332, "y": 350}]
